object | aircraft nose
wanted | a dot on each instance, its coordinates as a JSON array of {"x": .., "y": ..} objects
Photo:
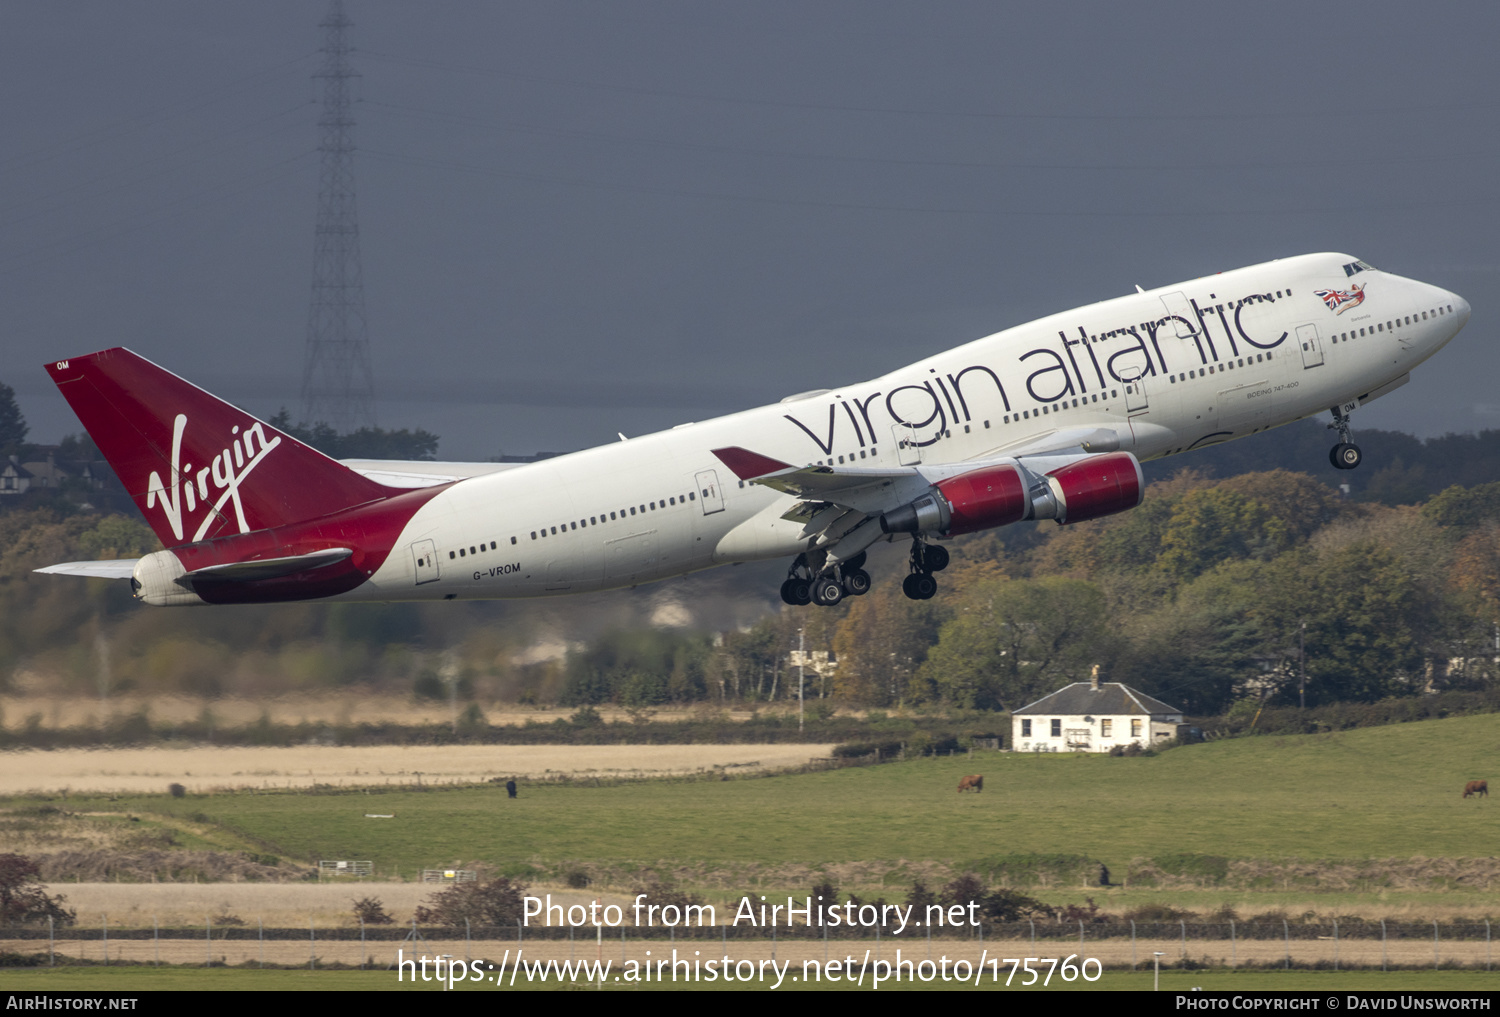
[{"x": 1461, "y": 308}]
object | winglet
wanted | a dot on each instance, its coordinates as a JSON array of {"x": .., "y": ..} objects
[{"x": 748, "y": 465}]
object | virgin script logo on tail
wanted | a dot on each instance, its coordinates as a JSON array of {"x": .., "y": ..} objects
[{"x": 227, "y": 471}]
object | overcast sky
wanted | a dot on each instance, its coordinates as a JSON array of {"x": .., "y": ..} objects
[{"x": 584, "y": 218}]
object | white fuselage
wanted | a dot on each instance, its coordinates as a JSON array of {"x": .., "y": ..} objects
[{"x": 1166, "y": 370}]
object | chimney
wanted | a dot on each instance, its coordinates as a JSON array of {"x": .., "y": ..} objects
[{"x": 1094, "y": 679}]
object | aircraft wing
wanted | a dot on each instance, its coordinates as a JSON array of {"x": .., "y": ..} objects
[
  {"x": 871, "y": 491},
  {"x": 119, "y": 568},
  {"x": 861, "y": 489},
  {"x": 1068, "y": 440}
]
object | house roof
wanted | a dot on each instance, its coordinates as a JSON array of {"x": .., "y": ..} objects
[{"x": 1110, "y": 699}]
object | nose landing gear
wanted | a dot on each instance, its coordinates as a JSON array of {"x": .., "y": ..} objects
[{"x": 1345, "y": 455}]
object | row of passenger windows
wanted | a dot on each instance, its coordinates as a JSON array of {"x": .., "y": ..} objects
[
  {"x": 829, "y": 462},
  {"x": 475, "y": 549},
  {"x": 600, "y": 519},
  {"x": 1226, "y": 366},
  {"x": 1410, "y": 319},
  {"x": 1064, "y": 404},
  {"x": 590, "y": 521}
]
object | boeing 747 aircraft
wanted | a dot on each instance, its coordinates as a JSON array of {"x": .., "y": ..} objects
[{"x": 1047, "y": 420}]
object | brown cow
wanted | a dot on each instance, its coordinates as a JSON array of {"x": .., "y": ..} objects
[
  {"x": 1477, "y": 787},
  {"x": 976, "y": 782}
]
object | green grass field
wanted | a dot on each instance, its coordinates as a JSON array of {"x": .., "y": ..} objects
[{"x": 1372, "y": 793}]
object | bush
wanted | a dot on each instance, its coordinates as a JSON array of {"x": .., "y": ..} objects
[
  {"x": 371, "y": 911},
  {"x": 22, "y": 897},
  {"x": 177, "y": 790},
  {"x": 1012, "y": 906},
  {"x": 497, "y": 902}
]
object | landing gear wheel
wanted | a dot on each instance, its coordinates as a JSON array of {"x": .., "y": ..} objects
[
  {"x": 1345, "y": 455},
  {"x": 857, "y": 583},
  {"x": 827, "y": 592},
  {"x": 935, "y": 557},
  {"x": 919, "y": 586},
  {"x": 796, "y": 592}
]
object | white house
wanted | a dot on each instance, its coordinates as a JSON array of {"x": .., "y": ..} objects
[{"x": 1092, "y": 716}]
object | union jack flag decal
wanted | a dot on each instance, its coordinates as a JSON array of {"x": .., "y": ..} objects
[{"x": 1339, "y": 301}]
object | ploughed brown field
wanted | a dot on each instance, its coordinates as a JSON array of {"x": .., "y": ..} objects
[{"x": 205, "y": 769}]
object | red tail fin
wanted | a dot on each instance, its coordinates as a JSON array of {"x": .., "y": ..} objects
[{"x": 196, "y": 466}]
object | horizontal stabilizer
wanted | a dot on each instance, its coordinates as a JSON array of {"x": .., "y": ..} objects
[
  {"x": 264, "y": 568},
  {"x": 119, "y": 568}
]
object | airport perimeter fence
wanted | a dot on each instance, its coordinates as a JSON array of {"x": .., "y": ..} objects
[{"x": 1116, "y": 944}]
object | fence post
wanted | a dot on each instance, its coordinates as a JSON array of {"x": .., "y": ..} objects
[
  {"x": 1287, "y": 939},
  {"x": 1434, "y": 943},
  {"x": 1382, "y": 944},
  {"x": 1132, "y": 944},
  {"x": 1486, "y": 944},
  {"x": 1335, "y": 944},
  {"x": 260, "y": 925},
  {"x": 104, "y": 924},
  {"x": 466, "y": 940},
  {"x": 1233, "y": 943},
  {"x": 312, "y": 946},
  {"x": 208, "y": 941},
  {"x": 1033, "y": 934},
  {"x": 1183, "y": 923},
  {"x": 1080, "y": 935},
  {"x": 51, "y": 944},
  {"x": 361, "y": 942}
]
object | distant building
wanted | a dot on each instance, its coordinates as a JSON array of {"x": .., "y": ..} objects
[
  {"x": 46, "y": 473},
  {"x": 1093, "y": 716},
  {"x": 14, "y": 478}
]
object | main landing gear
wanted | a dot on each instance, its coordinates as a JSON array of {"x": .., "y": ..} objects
[
  {"x": 809, "y": 583},
  {"x": 1345, "y": 455},
  {"x": 825, "y": 586},
  {"x": 925, "y": 560}
]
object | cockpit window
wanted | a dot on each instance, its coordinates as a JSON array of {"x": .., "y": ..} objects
[{"x": 1358, "y": 266}]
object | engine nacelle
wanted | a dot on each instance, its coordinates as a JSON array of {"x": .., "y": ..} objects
[
  {"x": 994, "y": 496},
  {"x": 928, "y": 514},
  {"x": 984, "y": 499},
  {"x": 979, "y": 500},
  {"x": 1097, "y": 486}
]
